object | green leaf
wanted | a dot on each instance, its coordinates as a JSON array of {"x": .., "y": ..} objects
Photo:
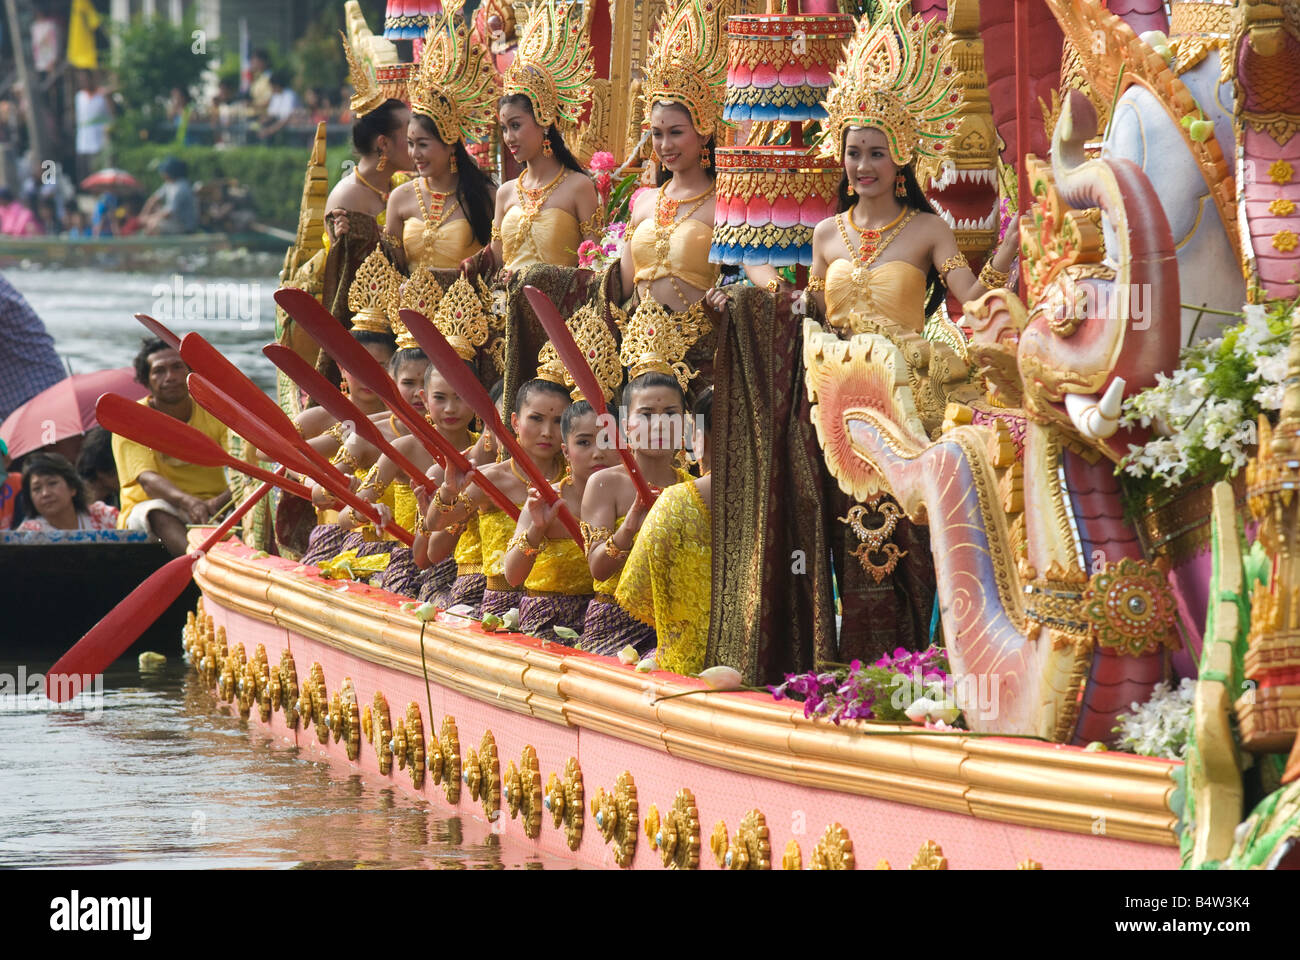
[{"x": 564, "y": 633}]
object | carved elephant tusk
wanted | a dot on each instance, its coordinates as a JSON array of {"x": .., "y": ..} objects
[{"x": 1096, "y": 419}]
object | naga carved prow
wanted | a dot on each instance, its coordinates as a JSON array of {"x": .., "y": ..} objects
[{"x": 1077, "y": 608}]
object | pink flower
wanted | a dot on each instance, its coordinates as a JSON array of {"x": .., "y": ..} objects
[
  {"x": 603, "y": 160},
  {"x": 587, "y": 251},
  {"x": 603, "y": 183}
]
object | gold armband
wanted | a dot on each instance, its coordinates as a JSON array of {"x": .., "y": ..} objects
[
  {"x": 612, "y": 549},
  {"x": 955, "y": 262},
  {"x": 345, "y": 460},
  {"x": 521, "y": 543},
  {"x": 419, "y": 523},
  {"x": 371, "y": 482},
  {"x": 496, "y": 232},
  {"x": 992, "y": 278},
  {"x": 815, "y": 284},
  {"x": 594, "y": 225},
  {"x": 594, "y": 536}
]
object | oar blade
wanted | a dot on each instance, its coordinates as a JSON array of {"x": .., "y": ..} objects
[
  {"x": 205, "y": 359},
  {"x": 120, "y": 627},
  {"x": 159, "y": 331},
  {"x": 143, "y": 424},
  {"x": 449, "y": 363}
]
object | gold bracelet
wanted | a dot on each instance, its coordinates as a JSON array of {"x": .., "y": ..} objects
[
  {"x": 955, "y": 262},
  {"x": 444, "y": 508},
  {"x": 370, "y": 482},
  {"x": 993, "y": 278},
  {"x": 521, "y": 543},
  {"x": 419, "y": 523},
  {"x": 815, "y": 284},
  {"x": 456, "y": 529},
  {"x": 593, "y": 536},
  {"x": 613, "y": 551},
  {"x": 774, "y": 285},
  {"x": 345, "y": 460}
]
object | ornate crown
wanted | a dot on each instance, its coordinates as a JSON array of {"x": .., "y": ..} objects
[
  {"x": 688, "y": 63},
  {"x": 596, "y": 341},
  {"x": 453, "y": 85},
  {"x": 422, "y": 294},
  {"x": 656, "y": 340},
  {"x": 367, "y": 95},
  {"x": 895, "y": 78},
  {"x": 462, "y": 319},
  {"x": 373, "y": 295},
  {"x": 552, "y": 66}
]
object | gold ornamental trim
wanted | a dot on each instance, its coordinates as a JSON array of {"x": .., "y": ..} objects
[{"x": 564, "y": 799}]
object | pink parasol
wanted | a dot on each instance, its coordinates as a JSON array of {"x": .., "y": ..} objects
[
  {"x": 64, "y": 410},
  {"x": 110, "y": 179}
]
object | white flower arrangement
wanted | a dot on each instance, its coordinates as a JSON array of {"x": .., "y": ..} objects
[
  {"x": 1158, "y": 728},
  {"x": 1204, "y": 415}
]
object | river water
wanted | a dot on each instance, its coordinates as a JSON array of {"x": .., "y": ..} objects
[{"x": 161, "y": 774}]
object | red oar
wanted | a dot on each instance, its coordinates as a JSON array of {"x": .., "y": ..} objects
[
  {"x": 453, "y": 369},
  {"x": 341, "y": 408},
  {"x": 137, "y": 611},
  {"x": 155, "y": 429},
  {"x": 307, "y": 312},
  {"x": 572, "y": 358},
  {"x": 266, "y": 439},
  {"x": 159, "y": 331}
]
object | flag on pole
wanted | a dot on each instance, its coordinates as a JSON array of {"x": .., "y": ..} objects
[{"x": 83, "y": 21}]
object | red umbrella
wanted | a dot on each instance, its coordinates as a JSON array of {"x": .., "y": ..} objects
[
  {"x": 110, "y": 179},
  {"x": 66, "y": 409}
]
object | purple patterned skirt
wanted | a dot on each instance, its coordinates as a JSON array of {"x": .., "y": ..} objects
[
  {"x": 609, "y": 628},
  {"x": 436, "y": 584},
  {"x": 540, "y": 614},
  {"x": 499, "y": 602},
  {"x": 467, "y": 589},
  {"x": 402, "y": 575},
  {"x": 324, "y": 541}
]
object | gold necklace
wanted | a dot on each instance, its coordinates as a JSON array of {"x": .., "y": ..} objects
[
  {"x": 870, "y": 246},
  {"x": 531, "y": 200},
  {"x": 666, "y": 224},
  {"x": 383, "y": 194},
  {"x": 521, "y": 478}
]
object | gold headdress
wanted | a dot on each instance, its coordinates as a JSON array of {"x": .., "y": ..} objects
[
  {"x": 655, "y": 340},
  {"x": 552, "y": 66},
  {"x": 688, "y": 63},
  {"x": 462, "y": 319},
  {"x": 373, "y": 295},
  {"x": 596, "y": 341},
  {"x": 895, "y": 78},
  {"x": 367, "y": 95},
  {"x": 422, "y": 294},
  {"x": 453, "y": 84}
]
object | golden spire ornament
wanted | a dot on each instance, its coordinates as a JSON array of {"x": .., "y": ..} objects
[
  {"x": 373, "y": 295},
  {"x": 688, "y": 63},
  {"x": 656, "y": 341},
  {"x": 366, "y": 93},
  {"x": 420, "y": 293},
  {"x": 552, "y": 66},
  {"x": 453, "y": 84},
  {"x": 461, "y": 319},
  {"x": 894, "y": 77},
  {"x": 596, "y": 342}
]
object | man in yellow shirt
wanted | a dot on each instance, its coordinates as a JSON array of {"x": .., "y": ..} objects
[{"x": 161, "y": 494}]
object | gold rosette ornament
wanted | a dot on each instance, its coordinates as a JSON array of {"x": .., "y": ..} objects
[
  {"x": 552, "y": 66},
  {"x": 453, "y": 84},
  {"x": 462, "y": 320},
  {"x": 372, "y": 298},
  {"x": 688, "y": 63},
  {"x": 895, "y": 77},
  {"x": 422, "y": 294},
  {"x": 1130, "y": 608}
]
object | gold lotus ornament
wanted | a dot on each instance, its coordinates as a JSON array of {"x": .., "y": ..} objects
[
  {"x": 348, "y": 726},
  {"x": 752, "y": 847},
  {"x": 718, "y": 843},
  {"x": 383, "y": 728},
  {"x": 792, "y": 859},
  {"x": 564, "y": 799},
  {"x": 319, "y": 702},
  {"x": 616, "y": 817},
  {"x": 929, "y": 857},
  {"x": 677, "y": 835},
  {"x": 415, "y": 751},
  {"x": 834, "y": 851},
  {"x": 461, "y": 319},
  {"x": 483, "y": 775},
  {"x": 523, "y": 792},
  {"x": 449, "y": 746}
]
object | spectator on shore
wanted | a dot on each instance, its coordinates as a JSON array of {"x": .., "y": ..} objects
[
  {"x": 56, "y": 498},
  {"x": 317, "y": 104},
  {"x": 281, "y": 109},
  {"x": 173, "y": 207},
  {"x": 97, "y": 468},
  {"x": 179, "y": 109},
  {"x": 94, "y": 113},
  {"x": 160, "y": 494},
  {"x": 16, "y": 220},
  {"x": 75, "y": 224},
  {"x": 104, "y": 222},
  {"x": 48, "y": 217},
  {"x": 259, "y": 89},
  {"x": 126, "y": 218}
]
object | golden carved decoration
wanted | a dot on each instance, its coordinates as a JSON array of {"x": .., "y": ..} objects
[
  {"x": 792, "y": 859},
  {"x": 523, "y": 792},
  {"x": 652, "y": 824},
  {"x": 258, "y": 677},
  {"x": 449, "y": 767},
  {"x": 415, "y": 752},
  {"x": 367, "y": 723},
  {"x": 718, "y": 843},
  {"x": 1029, "y": 865},
  {"x": 750, "y": 850},
  {"x": 929, "y": 857},
  {"x": 349, "y": 719},
  {"x": 231, "y": 670},
  {"x": 883, "y": 865},
  {"x": 319, "y": 699},
  {"x": 400, "y": 743},
  {"x": 289, "y": 689},
  {"x": 565, "y": 801},
  {"x": 873, "y": 539},
  {"x": 1130, "y": 608},
  {"x": 677, "y": 835},
  {"x": 483, "y": 775},
  {"x": 616, "y": 817},
  {"x": 335, "y": 716},
  {"x": 383, "y": 733},
  {"x": 834, "y": 851}
]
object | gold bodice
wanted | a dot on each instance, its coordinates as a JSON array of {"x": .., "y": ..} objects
[
  {"x": 495, "y": 529},
  {"x": 667, "y": 580},
  {"x": 469, "y": 550},
  {"x": 561, "y": 567},
  {"x": 892, "y": 293},
  {"x": 451, "y": 243},
  {"x": 687, "y": 258},
  {"x": 553, "y": 237}
]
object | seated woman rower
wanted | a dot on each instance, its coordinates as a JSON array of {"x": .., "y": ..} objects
[
  {"x": 667, "y": 581},
  {"x": 536, "y": 421},
  {"x": 55, "y": 498}
]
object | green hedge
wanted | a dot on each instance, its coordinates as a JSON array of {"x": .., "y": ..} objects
[{"x": 273, "y": 175}]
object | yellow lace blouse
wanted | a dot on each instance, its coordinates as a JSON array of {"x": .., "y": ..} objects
[
  {"x": 469, "y": 550},
  {"x": 667, "y": 580},
  {"x": 688, "y": 254},
  {"x": 452, "y": 243},
  {"x": 400, "y": 499},
  {"x": 495, "y": 529},
  {"x": 553, "y": 237},
  {"x": 894, "y": 294},
  {"x": 561, "y": 567}
]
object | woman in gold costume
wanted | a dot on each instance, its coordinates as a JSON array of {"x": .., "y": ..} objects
[
  {"x": 445, "y": 214},
  {"x": 536, "y": 421},
  {"x": 542, "y": 556},
  {"x": 545, "y": 214},
  {"x": 667, "y": 582},
  {"x": 881, "y": 264}
]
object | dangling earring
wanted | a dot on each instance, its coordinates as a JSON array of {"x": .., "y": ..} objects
[
  {"x": 454, "y": 167},
  {"x": 705, "y": 162},
  {"x": 343, "y": 386},
  {"x": 848, "y": 190},
  {"x": 546, "y": 146},
  {"x": 383, "y": 162},
  {"x": 900, "y": 186}
]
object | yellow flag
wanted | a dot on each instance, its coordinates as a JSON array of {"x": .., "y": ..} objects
[{"x": 82, "y": 23}]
